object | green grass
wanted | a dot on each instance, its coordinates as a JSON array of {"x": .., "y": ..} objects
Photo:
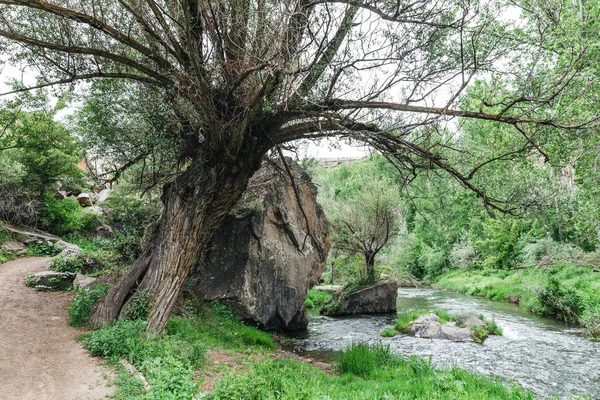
[
  {"x": 316, "y": 299},
  {"x": 170, "y": 361},
  {"x": 565, "y": 292},
  {"x": 390, "y": 332},
  {"x": 402, "y": 324},
  {"x": 366, "y": 372}
]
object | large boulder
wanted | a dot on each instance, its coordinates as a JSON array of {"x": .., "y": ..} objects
[
  {"x": 50, "y": 280},
  {"x": 374, "y": 299},
  {"x": 14, "y": 247},
  {"x": 268, "y": 252}
]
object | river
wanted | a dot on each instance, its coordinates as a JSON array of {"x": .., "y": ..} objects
[{"x": 538, "y": 353}]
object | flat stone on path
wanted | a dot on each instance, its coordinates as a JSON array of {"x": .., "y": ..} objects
[{"x": 39, "y": 357}]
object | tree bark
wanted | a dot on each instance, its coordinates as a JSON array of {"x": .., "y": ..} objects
[
  {"x": 370, "y": 261},
  {"x": 194, "y": 205}
]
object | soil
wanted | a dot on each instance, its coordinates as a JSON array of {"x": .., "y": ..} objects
[{"x": 39, "y": 357}]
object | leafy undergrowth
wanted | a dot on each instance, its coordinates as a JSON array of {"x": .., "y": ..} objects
[
  {"x": 479, "y": 334},
  {"x": 82, "y": 303},
  {"x": 365, "y": 372},
  {"x": 566, "y": 292},
  {"x": 173, "y": 362},
  {"x": 170, "y": 362},
  {"x": 316, "y": 298}
]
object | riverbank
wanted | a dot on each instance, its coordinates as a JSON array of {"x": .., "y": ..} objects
[
  {"x": 566, "y": 292},
  {"x": 214, "y": 356}
]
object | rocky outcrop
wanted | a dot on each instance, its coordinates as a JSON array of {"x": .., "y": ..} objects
[
  {"x": 84, "y": 282},
  {"x": 268, "y": 252},
  {"x": 374, "y": 299},
  {"x": 50, "y": 280},
  {"x": 84, "y": 200},
  {"x": 14, "y": 247}
]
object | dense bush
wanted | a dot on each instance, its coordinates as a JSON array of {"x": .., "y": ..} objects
[
  {"x": 43, "y": 249},
  {"x": 62, "y": 217},
  {"x": 168, "y": 364},
  {"x": 463, "y": 254},
  {"x": 547, "y": 251},
  {"x": 66, "y": 264},
  {"x": 316, "y": 298},
  {"x": 81, "y": 305}
]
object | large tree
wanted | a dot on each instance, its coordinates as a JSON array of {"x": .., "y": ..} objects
[{"x": 241, "y": 77}]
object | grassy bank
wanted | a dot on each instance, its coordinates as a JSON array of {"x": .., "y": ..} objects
[
  {"x": 179, "y": 365},
  {"x": 565, "y": 292},
  {"x": 364, "y": 372}
]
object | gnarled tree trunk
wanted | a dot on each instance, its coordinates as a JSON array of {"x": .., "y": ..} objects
[{"x": 194, "y": 205}]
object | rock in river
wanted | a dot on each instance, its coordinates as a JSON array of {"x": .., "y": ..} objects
[{"x": 374, "y": 299}]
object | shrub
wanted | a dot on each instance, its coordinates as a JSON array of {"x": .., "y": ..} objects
[
  {"x": 167, "y": 362},
  {"x": 5, "y": 257},
  {"x": 43, "y": 249},
  {"x": 548, "y": 251},
  {"x": 560, "y": 302},
  {"x": 61, "y": 217},
  {"x": 316, "y": 298},
  {"x": 433, "y": 261},
  {"x": 66, "y": 264},
  {"x": 82, "y": 303},
  {"x": 463, "y": 254},
  {"x": 140, "y": 306}
]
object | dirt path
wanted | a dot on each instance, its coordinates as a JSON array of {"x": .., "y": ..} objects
[{"x": 39, "y": 359}]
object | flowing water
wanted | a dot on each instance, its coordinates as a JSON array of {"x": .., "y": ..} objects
[{"x": 538, "y": 353}]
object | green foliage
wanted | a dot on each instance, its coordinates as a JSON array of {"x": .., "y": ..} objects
[
  {"x": 5, "y": 257},
  {"x": 105, "y": 254},
  {"x": 4, "y": 233},
  {"x": 390, "y": 332},
  {"x": 369, "y": 372},
  {"x": 479, "y": 334},
  {"x": 42, "y": 249},
  {"x": 132, "y": 212},
  {"x": 218, "y": 327},
  {"x": 66, "y": 264},
  {"x": 140, "y": 306},
  {"x": 503, "y": 242},
  {"x": 364, "y": 359},
  {"x": 491, "y": 326},
  {"x": 546, "y": 251},
  {"x": 403, "y": 322},
  {"x": 81, "y": 305},
  {"x": 316, "y": 298},
  {"x": 62, "y": 217},
  {"x": 463, "y": 254},
  {"x": 560, "y": 302},
  {"x": 167, "y": 362}
]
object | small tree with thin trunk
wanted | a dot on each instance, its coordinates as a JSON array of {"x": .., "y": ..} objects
[{"x": 365, "y": 227}]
